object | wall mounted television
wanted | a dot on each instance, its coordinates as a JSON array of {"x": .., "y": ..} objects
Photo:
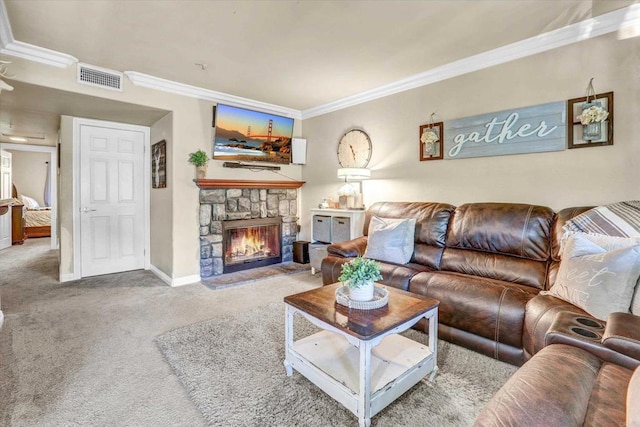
[{"x": 248, "y": 135}]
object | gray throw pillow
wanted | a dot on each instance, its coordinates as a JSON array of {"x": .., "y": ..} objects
[
  {"x": 391, "y": 240},
  {"x": 588, "y": 244},
  {"x": 598, "y": 280}
]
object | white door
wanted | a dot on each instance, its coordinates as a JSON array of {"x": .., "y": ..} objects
[
  {"x": 5, "y": 193},
  {"x": 112, "y": 225}
]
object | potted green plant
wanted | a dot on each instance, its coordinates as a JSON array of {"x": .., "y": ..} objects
[
  {"x": 359, "y": 275},
  {"x": 199, "y": 159}
]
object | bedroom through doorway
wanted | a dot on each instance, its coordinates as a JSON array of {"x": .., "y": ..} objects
[{"x": 34, "y": 183}]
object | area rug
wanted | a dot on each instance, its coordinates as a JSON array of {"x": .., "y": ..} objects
[
  {"x": 254, "y": 274},
  {"x": 232, "y": 370}
]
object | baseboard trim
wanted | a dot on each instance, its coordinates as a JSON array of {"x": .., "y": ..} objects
[
  {"x": 180, "y": 281},
  {"x": 186, "y": 280},
  {"x": 68, "y": 277},
  {"x": 161, "y": 275}
]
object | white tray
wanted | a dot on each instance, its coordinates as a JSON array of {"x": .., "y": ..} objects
[{"x": 380, "y": 299}]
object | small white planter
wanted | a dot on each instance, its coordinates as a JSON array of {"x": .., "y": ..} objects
[
  {"x": 201, "y": 172},
  {"x": 362, "y": 293}
]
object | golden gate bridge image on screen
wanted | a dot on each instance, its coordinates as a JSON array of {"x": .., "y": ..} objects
[{"x": 262, "y": 140}]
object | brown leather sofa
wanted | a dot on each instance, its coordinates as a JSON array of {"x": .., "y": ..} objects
[
  {"x": 486, "y": 264},
  {"x": 571, "y": 385}
]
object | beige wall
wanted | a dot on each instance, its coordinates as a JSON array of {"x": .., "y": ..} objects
[
  {"x": 559, "y": 179},
  {"x": 191, "y": 131},
  {"x": 603, "y": 6},
  {"x": 29, "y": 170},
  {"x": 161, "y": 203},
  {"x": 586, "y": 176}
]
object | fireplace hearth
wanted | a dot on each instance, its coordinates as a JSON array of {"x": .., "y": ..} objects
[{"x": 251, "y": 243}]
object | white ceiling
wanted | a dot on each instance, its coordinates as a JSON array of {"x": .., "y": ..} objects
[{"x": 295, "y": 54}]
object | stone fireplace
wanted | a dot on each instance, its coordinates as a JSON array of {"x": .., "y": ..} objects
[{"x": 223, "y": 204}]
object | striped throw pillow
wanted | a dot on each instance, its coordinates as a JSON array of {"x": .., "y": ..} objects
[{"x": 620, "y": 219}]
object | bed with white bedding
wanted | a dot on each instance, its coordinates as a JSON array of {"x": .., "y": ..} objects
[
  {"x": 37, "y": 222},
  {"x": 37, "y": 219}
]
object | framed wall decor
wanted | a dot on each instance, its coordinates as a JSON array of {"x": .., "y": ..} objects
[
  {"x": 588, "y": 129},
  {"x": 159, "y": 164},
  {"x": 533, "y": 129},
  {"x": 431, "y": 136}
]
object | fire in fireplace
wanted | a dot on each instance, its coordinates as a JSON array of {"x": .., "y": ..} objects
[{"x": 250, "y": 243}]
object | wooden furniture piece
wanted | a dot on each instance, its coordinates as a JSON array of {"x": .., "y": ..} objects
[
  {"x": 336, "y": 225},
  {"x": 358, "y": 358},
  {"x": 17, "y": 225},
  {"x": 33, "y": 230},
  {"x": 37, "y": 231},
  {"x": 17, "y": 220}
]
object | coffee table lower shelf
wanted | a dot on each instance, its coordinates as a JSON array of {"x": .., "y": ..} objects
[{"x": 333, "y": 364}]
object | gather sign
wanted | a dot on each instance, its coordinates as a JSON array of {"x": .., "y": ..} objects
[{"x": 533, "y": 129}]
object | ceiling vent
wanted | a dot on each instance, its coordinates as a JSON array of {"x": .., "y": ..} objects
[{"x": 100, "y": 77}]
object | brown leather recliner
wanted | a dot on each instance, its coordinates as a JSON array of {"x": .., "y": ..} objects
[
  {"x": 542, "y": 310},
  {"x": 568, "y": 385},
  {"x": 494, "y": 262},
  {"x": 432, "y": 220}
]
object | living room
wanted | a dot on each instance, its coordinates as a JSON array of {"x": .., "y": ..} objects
[{"x": 557, "y": 179}]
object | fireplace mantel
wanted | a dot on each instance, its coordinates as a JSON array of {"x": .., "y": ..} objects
[{"x": 244, "y": 183}]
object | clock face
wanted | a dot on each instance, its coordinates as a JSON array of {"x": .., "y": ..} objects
[{"x": 354, "y": 149}]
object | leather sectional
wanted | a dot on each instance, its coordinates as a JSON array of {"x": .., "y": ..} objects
[
  {"x": 571, "y": 382},
  {"x": 487, "y": 263}
]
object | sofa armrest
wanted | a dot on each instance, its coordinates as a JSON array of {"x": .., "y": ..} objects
[
  {"x": 622, "y": 334},
  {"x": 349, "y": 249}
]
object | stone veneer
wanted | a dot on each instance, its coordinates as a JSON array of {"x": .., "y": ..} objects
[{"x": 217, "y": 205}]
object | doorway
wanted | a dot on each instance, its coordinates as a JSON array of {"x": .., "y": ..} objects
[
  {"x": 5, "y": 193},
  {"x": 111, "y": 197},
  {"x": 52, "y": 176}
]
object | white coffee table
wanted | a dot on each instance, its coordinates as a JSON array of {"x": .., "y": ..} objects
[{"x": 358, "y": 358}]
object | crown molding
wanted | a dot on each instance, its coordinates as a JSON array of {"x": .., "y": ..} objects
[
  {"x": 38, "y": 54},
  {"x": 152, "y": 82},
  {"x": 580, "y": 31},
  {"x": 10, "y": 46},
  {"x": 6, "y": 36},
  {"x": 618, "y": 20}
]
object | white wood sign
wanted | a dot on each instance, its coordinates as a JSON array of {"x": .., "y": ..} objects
[{"x": 526, "y": 130}]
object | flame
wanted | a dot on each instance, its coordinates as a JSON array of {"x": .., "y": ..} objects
[
  {"x": 251, "y": 243},
  {"x": 248, "y": 243}
]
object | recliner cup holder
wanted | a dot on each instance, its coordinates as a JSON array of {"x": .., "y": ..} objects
[
  {"x": 589, "y": 322},
  {"x": 585, "y": 333}
]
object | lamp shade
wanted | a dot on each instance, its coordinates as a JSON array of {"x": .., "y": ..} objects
[{"x": 354, "y": 173}]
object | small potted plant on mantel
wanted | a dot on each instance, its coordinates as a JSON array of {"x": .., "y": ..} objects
[
  {"x": 359, "y": 275},
  {"x": 199, "y": 159}
]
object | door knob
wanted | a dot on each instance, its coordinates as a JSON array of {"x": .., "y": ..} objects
[{"x": 88, "y": 210}]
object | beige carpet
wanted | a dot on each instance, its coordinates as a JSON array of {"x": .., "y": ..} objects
[
  {"x": 83, "y": 353},
  {"x": 232, "y": 368}
]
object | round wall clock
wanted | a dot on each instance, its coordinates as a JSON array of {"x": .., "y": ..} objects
[{"x": 354, "y": 149}]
